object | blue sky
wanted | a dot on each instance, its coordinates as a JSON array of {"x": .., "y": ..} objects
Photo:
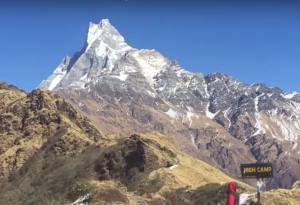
[{"x": 253, "y": 41}]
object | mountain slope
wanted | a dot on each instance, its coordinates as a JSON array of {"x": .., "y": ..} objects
[
  {"x": 52, "y": 154},
  {"x": 215, "y": 117}
]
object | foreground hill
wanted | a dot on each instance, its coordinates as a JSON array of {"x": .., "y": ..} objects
[
  {"x": 134, "y": 170},
  {"x": 216, "y": 118}
]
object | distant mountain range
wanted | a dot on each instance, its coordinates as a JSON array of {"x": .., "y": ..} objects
[{"x": 215, "y": 118}]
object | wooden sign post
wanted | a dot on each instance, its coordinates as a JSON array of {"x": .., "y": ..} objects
[{"x": 258, "y": 171}]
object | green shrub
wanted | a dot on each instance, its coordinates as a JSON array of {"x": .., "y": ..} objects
[{"x": 78, "y": 189}]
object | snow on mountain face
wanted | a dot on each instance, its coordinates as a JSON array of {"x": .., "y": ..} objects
[
  {"x": 150, "y": 63},
  {"x": 111, "y": 71},
  {"x": 57, "y": 75},
  {"x": 104, "y": 46},
  {"x": 104, "y": 49}
]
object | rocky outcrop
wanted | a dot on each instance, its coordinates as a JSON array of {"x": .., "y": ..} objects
[{"x": 28, "y": 121}]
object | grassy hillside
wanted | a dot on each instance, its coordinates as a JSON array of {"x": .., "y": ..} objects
[
  {"x": 127, "y": 171},
  {"x": 283, "y": 196}
]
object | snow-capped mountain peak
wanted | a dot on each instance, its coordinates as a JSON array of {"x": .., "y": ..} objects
[
  {"x": 106, "y": 33},
  {"x": 106, "y": 54},
  {"x": 143, "y": 87},
  {"x": 104, "y": 46}
]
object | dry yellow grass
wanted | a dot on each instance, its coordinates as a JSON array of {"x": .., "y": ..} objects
[{"x": 282, "y": 196}]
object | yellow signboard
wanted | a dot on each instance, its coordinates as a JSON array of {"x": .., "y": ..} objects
[{"x": 259, "y": 170}]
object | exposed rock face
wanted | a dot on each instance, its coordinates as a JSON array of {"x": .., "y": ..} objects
[{"x": 215, "y": 117}]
